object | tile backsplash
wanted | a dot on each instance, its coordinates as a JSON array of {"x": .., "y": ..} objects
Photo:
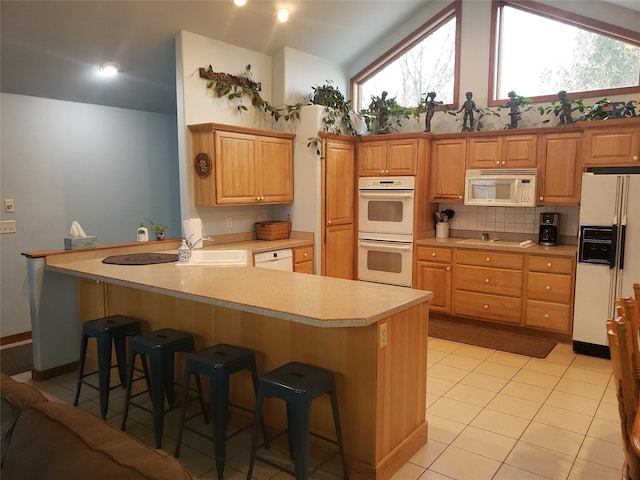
[{"x": 524, "y": 220}]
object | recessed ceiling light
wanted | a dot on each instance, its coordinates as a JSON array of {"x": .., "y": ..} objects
[
  {"x": 110, "y": 69},
  {"x": 239, "y": 3},
  {"x": 282, "y": 15}
]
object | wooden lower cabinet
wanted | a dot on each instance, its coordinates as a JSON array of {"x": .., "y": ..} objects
[
  {"x": 303, "y": 259},
  {"x": 488, "y": 285},
  {"x": 433, "y": 273},
  {"x": 550, "y": 287}
]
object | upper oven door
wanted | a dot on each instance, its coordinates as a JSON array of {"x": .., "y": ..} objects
[{"x": 386, "y": 211}]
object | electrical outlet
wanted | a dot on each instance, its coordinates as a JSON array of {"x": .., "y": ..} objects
[
  {"x": 259, "y": 218},
  {"x": 9, "y": 205},
  {"x": 229, "y": 222},
  {"x": 383, "y": 335},
  {"x": 8, "y": 226}
]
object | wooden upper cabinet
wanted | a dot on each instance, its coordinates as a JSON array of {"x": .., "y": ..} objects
[
  {"x": 509, "y": 151},
  {"x": 560, "y": 166},
  {"x": 387, "y": 157},
  {"x": 241, "y": 166},
  {"x": 612, "y": 143},
  {"x": 447, "y": 170}
]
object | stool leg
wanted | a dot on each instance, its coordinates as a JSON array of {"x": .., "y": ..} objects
[
  {"x": 301, "y": 415},
  {"x": 168, "y": 367},
  {"x": 336, "y": 421},
  {"x": 83, "y": 353},
  {"x": 254, "y": 376},
  {"x": 104, "y": 371},
  {"x": 219, "y": 413},
  {"x": 127, "y": 396},
  {"x": 183, "y": 408},
  {"x": 120, "y": 344},
  {"x": 201, "y": 397},
  {"x": 254, "y": 437},
  {"x": 158, "y": 388}
]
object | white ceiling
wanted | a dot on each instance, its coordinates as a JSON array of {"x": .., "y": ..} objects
[{"x": 52, "y": 48}]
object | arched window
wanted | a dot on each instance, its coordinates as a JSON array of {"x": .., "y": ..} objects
[
  {"x": 427, "y": 60},
  {"x": 539, "y": 50}
]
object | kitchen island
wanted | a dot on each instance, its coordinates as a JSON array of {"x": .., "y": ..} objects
[{"x": 373, "y": 337}]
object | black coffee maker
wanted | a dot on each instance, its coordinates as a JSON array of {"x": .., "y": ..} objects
[{"x": 548, "y": 233}]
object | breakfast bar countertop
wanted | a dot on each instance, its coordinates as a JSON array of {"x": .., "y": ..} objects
[{"x": 310, "y": 299}]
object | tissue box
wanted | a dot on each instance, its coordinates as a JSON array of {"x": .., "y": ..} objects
[{"x": 76, "y": 243}]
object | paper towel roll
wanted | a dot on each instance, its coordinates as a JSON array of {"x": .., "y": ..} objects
[{"x": 192, "y": 229}]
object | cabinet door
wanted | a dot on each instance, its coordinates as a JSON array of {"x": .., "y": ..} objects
[
  {"x": 447, "y": 170},
  {"x": 235, "y": 163},
  {"x": 402, "y": 157},
  {"x": 560, "y": 176},
  {"x": 435, "y": 277},
  {"x": 372, "y": 159},
  {"x": 612, "y": 146},
  {"x": 519, "y": 151},
  {"x": 275, "y": 170},
  {"x": 338, "y": 248},
  {"x": 338, "y": 259},
  {"x": 484, "y": 153}
]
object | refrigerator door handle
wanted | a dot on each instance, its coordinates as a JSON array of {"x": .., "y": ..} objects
[{"x": 623, "y": 234}]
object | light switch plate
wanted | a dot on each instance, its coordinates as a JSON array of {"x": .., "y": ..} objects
[{"x": 8, "y": 226}]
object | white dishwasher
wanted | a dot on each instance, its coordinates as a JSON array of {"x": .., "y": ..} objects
[{"x": 275, "y": 260}]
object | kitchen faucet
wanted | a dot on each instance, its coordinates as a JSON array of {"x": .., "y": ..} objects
[{"x": 191, "y": 246}]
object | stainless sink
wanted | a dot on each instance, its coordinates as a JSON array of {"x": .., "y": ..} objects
[
  {"x": 216, "y": 257},
  {"x": 495, "y": 242}
]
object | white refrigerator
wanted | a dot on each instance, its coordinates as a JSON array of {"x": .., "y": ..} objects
[{"x": 608, "y": 253}]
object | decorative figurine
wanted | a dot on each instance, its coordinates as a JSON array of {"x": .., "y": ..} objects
[
  {"x": 382, "y": 106},
  {"x": 431, "y": 107},
  {"x": 469, "y": 106},
  {"x": 565, "y": 108},
  {"x": 514, "y": 108}
]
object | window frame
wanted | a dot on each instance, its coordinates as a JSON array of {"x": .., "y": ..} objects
[
  {"x": 452, "y": 11},
  {"x": 568, "y": 18}
]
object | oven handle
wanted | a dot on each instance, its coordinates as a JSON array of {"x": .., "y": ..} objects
[
  {"x": 385, "y": 195},
  {"x": 385, "y": 245}
]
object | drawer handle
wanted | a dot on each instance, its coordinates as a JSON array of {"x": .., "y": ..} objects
[
  {"x": 549, "y": 264},
  {"x": 488, "y": 259},
  {"x": 546, "y": 315},
  {"x": 486, "y": 307},
  {"x": 548, "y": 287},
  {"x": 433, "y": 254},
  {"x": 305, "y": 254},
  {"x": 486, "y": 280}
]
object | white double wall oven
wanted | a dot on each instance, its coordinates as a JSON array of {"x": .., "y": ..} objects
[{"x": 385, "y": 229}]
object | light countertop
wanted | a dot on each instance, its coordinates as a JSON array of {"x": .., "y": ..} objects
[
  {"x": 304, "y": 298},
  {"x": 454, "y": 242}
]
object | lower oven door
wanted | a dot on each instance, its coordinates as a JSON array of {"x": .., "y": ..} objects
[{"x": 385, "y": 262}]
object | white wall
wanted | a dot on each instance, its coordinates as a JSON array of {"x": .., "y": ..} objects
[{"x": 108, "y": 168}]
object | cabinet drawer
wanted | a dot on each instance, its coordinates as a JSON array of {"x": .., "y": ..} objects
[
  {"x": 549, "y": 287},
  {"x": 302, "y": 254},
  {"x": 489, "y": 280},
  {"x": 490, "y": 307},
  {"x": 487, "y": 258},
  {"x": 435, "y": 254},
  {"x": 303, "y": 267},
  {"x": 548, "y": 316},
  {"x": 538, "y": 263}
]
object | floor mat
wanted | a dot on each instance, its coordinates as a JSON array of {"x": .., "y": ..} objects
[{"x": 490, "y": 338}]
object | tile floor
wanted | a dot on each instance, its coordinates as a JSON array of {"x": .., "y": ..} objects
[{"x": 492, "y": 416}]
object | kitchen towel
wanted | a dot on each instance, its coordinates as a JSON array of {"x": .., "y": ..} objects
[{"x": 192, "y": 230}]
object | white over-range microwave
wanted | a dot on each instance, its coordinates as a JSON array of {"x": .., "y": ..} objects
[{"x": 500, "y": 188}]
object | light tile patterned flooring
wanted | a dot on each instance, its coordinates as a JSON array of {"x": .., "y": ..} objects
[{"x": 492, "y": 416}]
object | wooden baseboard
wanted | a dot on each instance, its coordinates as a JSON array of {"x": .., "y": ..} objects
[
  {"x": 18, "y": 337},
  {"x": 40, "y": 375}
]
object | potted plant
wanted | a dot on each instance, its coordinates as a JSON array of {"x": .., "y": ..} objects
[
  {"x": 384, "y": 114},
  {"x": 159, "y": 229}
]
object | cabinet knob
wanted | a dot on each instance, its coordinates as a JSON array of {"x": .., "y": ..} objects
[
  {"x": 328, "y": 222},
  {"x": 549, "y": 264},
  {"x": 488, "y": 259},
  {"x": 497, "y": 162},
  {"x": 433, "y": 254},
  {"x": 486, "y": 307},
  {"x": 541, "y": 198},
  {"x": 448, "y": 269},
  {"x": 503, "y": 162},
  {"x": 548, "y": 287},
  {"x": 305, "y": 254},
  {"x": 459, "y": 197},
  {"x": 486, "y": 280},
  {"x": 635, "y": 157},
  {"x": 546, "y": 315}
]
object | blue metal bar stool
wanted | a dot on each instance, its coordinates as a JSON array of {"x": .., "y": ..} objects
[
  {"x": 298, "y": 384},
  {"x": 159, "y": 348},
  {"x": 218, "y": 363},
  {"x": 107, "y": 331}
]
